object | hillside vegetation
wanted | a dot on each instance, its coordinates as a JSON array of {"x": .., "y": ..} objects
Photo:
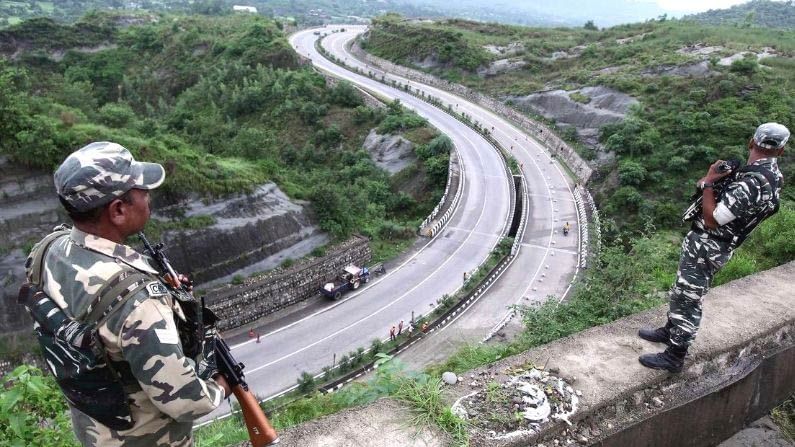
[
  {"x": 763, "y": 13},
  {"x": 221, "y": 102},
  {"x": 682, "y": 124}
]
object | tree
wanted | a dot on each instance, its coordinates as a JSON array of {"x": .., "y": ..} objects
[
  {"x": 631, "y": 173},
  {"x": 590, "y": 26}
]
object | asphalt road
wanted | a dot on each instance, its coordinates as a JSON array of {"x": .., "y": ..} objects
[
  {"x": 436, "y": 269},
  {"x": 547, "y": 261}
]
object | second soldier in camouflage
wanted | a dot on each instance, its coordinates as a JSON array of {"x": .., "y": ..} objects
[{"x": 725, "y": 222}]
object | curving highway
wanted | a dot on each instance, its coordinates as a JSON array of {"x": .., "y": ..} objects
[
  {"x": 547, "y": 262},
  {"x": 478, "y": 223},
  {"x": 544, "y": 267}
]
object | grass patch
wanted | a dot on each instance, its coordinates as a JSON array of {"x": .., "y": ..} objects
[
  {"x": 420, "y": 391},
  {"x": 784, "y": 417}
]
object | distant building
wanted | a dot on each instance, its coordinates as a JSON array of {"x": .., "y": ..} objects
[{"x": 239, "y": 8}]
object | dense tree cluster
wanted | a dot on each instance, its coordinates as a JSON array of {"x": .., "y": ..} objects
[{"x": 220, "y": 101}]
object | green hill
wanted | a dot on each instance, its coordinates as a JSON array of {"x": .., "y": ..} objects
[
  {"x": 681, "y": 125},
  {"x": 762, "y": 13},
  {"x": 223, "y": 102}
]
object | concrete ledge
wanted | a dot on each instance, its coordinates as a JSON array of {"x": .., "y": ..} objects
[
  {"x": 384, "y": 423},
  {"x": 742, "y": 364},
  {"x": 746, "y": 340}
]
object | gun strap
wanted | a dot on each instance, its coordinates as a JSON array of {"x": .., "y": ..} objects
[
  {"x": 37, "y": 259},
  {"x": 117, "y": 290}
]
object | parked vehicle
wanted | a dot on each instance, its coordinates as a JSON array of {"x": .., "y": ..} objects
[{"x": 351, "y": 278}]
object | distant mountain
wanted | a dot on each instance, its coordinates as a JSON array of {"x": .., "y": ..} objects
[
  {"x": 764, "y": 13},
  {"x": 603, "y": 13}
]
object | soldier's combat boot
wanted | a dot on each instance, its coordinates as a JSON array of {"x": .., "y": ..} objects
[
  {"x": 671, "y": 359},
  {"x": 659, "y": 335}
]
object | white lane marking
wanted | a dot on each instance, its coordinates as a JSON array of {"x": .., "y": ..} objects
[
  {"x": 499, "y": 124},
  {"x": 447, "y": 260}
]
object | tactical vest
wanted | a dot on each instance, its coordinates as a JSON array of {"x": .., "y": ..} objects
[{"x": 72, "y": 348}]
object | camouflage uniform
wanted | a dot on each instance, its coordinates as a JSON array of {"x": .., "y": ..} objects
[
  {"x": 164, "y": 390},
  {"x": 742, "y": 206}
]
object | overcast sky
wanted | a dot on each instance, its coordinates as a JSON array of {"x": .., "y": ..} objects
[{"x": 697, "y": 5}]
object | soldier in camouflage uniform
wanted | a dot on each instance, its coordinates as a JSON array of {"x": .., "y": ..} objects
[
  {"x": 106, "y": 193},
  {"x": 725, "y": 222}
]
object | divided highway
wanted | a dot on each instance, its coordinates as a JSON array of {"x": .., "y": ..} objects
[
  {"x": 478, "y": 223},
  {"x": 547, "y": 262}
]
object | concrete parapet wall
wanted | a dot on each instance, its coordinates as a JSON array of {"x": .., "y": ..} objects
[
  {"x": 537, "y": 130},
  {"x": 238, "y": 305},
  {"x": 741, "y": 365},
  {"x": 747, "y": 331}
]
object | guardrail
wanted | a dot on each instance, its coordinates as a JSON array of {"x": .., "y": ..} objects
[
  {"x": 417, "y": 93},
  {"x": 539, "y": 131},
  {"x": 426, "y": 229}
]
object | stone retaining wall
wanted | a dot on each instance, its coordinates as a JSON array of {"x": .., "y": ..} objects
[
  {"x": 537, "y": 130},
  {"x": 238, "y": 305}
]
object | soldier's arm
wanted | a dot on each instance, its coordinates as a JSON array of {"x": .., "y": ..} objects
[
  {"x": 738, "y": 200},
  {"x": 708, "y": 194},
  {"x": 150, "y": 344}
]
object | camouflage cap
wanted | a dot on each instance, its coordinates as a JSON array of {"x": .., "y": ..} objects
[
  {"x": 771, "y": 136},
  {"x": 100, "y": 172}
]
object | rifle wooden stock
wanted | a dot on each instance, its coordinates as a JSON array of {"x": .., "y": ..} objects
[{"x": 260, "y": 430}]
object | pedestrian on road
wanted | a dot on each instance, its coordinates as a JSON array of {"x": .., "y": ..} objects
[
  {"x": 424, "y": 327},
  {"x": 400, "y": 327},
  {"x": 251, "y": 333},
  {"x": 392, "y": 333},
  {"x": 566, "y": 228},
  {"x": 257, "y": 336},
  {"x": 465, "y": 277},
  {"x": 726, "y": 219}
]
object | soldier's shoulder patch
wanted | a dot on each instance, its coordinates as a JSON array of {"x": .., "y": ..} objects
[{"x": 156, "y": 288}]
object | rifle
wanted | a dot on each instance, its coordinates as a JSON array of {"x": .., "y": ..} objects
[
  {"x": 696, "y": 200},
  {"x": 260, "y": 430}
]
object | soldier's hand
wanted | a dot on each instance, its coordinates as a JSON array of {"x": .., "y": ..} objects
[
  {"x": 713, "y": 174},
  {"x": 186, "y": 282},
  {"x": 221, "y": 380}
]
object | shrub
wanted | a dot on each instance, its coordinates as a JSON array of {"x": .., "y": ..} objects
[
  {"x": 32, "y": 410},
  {"x": 306, "y": 383}
]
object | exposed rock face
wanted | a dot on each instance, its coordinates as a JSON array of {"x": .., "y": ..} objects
[
  {"x": 766, "y": 52},
  {"x": 507, "y": 50},
  {"x": 605, "y": 106},
  {"x": 502, "y": 66},
  {"x": 392, "y": 153},
  {"x": 29, "y": 209},
  {"x": 430, "y": 62},
  {"x": 257, "y": 230}
]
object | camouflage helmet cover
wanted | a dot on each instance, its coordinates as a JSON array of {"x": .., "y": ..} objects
[
  {"x": 100, "y": 172},
  {"x": 771, "y": 136}
]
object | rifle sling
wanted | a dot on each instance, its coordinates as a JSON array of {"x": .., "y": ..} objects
[
  {"x": 112, "y": 298},
  {"x": 37, "y": 264}
]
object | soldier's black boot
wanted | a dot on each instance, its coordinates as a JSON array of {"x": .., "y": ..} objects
[
  {"x": 672, "y": 359},
  {"x": 659, "y": 335}
]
